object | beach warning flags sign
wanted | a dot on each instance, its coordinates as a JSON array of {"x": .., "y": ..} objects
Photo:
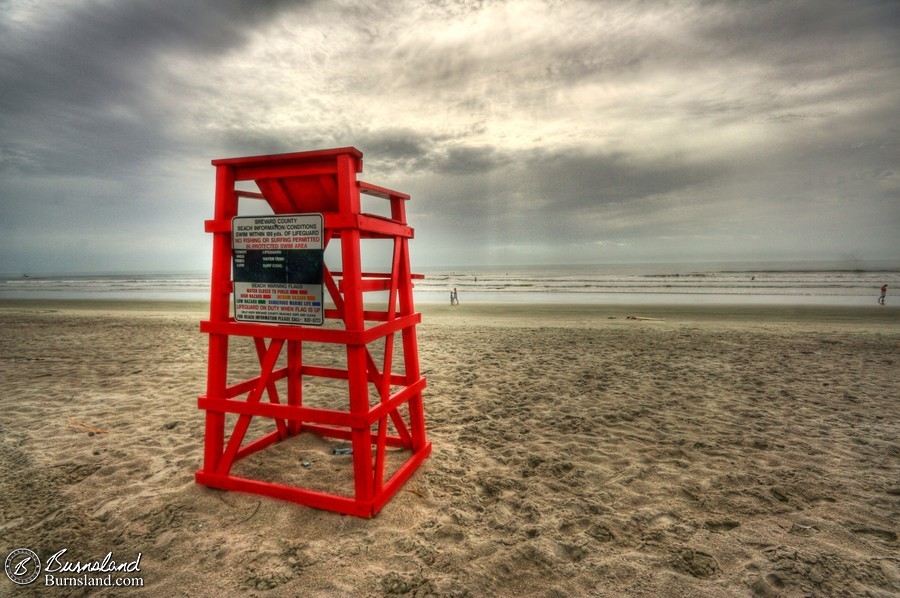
[{"x": 274, "y": 295}]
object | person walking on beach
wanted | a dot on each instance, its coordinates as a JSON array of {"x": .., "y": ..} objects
[
  {"x": 883, "y": 293},
  {"x": 454, "y": 297}
]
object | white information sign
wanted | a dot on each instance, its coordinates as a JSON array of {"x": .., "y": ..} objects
[{"x": 278, "y": 268}]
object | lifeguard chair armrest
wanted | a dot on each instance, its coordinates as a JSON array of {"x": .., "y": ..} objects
[{"x": 382, "y": 192}]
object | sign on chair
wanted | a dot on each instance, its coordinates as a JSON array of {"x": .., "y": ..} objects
[{"x": 278, "y": 268}]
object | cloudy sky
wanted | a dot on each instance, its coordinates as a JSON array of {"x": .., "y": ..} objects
[{"x": 526, "y": 131}]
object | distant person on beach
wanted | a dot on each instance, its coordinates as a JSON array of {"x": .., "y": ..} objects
[
  {"x": 454, "y": 297},
  {"x": 883, "y": 293}
]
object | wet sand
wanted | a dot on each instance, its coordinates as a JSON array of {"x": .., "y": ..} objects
[{"x": 697, "y": 451}]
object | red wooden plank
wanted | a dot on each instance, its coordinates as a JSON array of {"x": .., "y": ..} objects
[
  {"x": 285, "y": 332},
  {"x": 333, "y": 290},
  {"x": 380, "y": 275},
  {"x": 381, "y": 330},
  {"x": 295, "y": 381},
  {"x": 369, "y": 315},
  {"x": 339, "y": 374},
  {"x": 400, "y": 477},
  {"x": 367, "y": 223},
  {"x": 258, "y": 445},
  {"x": 311, "y": 193},
  {"x": 328, "y": 431},
  {"x": 345, "y": 434},
  {"x": 271, "y": 389},
  {"x": 249, "y": 194},
  {"x": 290, "y": 158},
  {"x": 398, "y": 398},
  {"x": 310, "y": 498},
  {"x": 276, "y": 195},
  {"x": 335, "y": 222},
  {"x": 383, "y": 226},
  {"x": 323, "y": 372},
  {"x": 369, "y": 285},
  {"x": 380, "y": 445},
  {"x": 217, "y": 371},
  {"x": 264, "y": 172},
  {"x": 246, "y": 386},
  {"x": 398, "y": 209},
  {"x": 289, "y": 412},
  {"x": 383, "y": 392},
  {"x": 382, "y": 192},
  {"x": 217, "y": 226},
  {"x": 240, "y": 428}
]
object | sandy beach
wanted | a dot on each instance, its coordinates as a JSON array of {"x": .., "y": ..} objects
[{"x": 695, "y": 451}]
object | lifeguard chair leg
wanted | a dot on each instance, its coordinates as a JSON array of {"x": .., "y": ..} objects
[
  {"x": 358, "y": 379},
  {"x": 219, "y": 310},
  {"x": 411, "y": 351},
  {"x": 295, "y": 382}
]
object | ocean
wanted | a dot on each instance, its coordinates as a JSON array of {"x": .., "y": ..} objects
[{"x": 810, "y": 283}]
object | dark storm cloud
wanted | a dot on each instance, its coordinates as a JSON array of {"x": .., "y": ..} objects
[
  {"x": 396, "y": 149},
  {"x": 469, "y": 160},
  {"x": 91, "y": 50},
  {"x": 578, "y": 180},
  {"x": 766, "y": 29},
  {"x": 569, "y": 196},
  {"x": 81, "y": 84},
  {"x": 88, "y": 121},
  {"x": 801, "y": 46}
]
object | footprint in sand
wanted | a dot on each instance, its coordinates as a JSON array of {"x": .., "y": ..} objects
[
  {"x": 696, "y": 564},
  {"x": 663, "y": 520},
  {"x": 449, "y": 534},
  {"x": 721, "y": 526},
  {"x": 571, "y": 552},
  {"x": 768, "y": 585},
  {"x": 600, "y": 533},
  {"x": 573, "y": 527}
]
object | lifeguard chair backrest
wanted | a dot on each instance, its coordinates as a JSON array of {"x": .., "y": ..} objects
[
  {"x": 313, "y": 193},
  {"x": 301, "y": 182}
]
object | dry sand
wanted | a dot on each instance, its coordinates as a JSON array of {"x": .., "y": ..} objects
[{"x": 715, "y": 451}]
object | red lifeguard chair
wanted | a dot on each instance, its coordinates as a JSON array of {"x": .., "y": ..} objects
[{"x": 384, "y": 408}]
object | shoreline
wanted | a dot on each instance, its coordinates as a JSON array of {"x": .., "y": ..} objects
[{"x": 536, "y": 313}]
